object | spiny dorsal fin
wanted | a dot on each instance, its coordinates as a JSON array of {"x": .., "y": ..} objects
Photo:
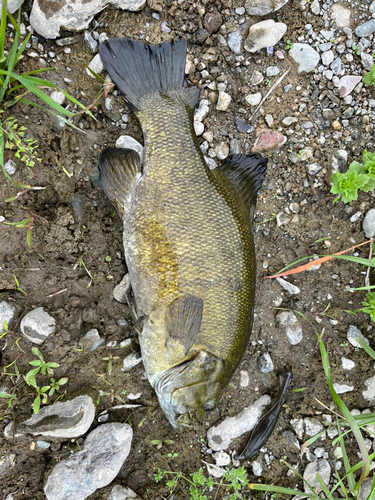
[
  {"x": 118, "y": 169},
  {"x": 183, "y": 320},
  {"x": 247, "y": 174}
]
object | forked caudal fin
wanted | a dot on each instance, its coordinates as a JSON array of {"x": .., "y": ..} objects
[{"x": 139, "y": 69}]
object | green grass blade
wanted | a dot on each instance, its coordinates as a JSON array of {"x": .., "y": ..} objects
[
  {"x": 312, "y": 440},
  {"x": 358, "y": 260},
  {"x": 275, "y": 489},
  {"x": 324, "y": 487},
  {"x": 293, "y": 263},
  {"x": 22, "y": 46},
  {"x": 3, "y": 26},
  {"x": 16, "y": 25},
  {"x": 362, "y": 288},
  {"x": 26, "y": 101},
  {"x": 346, "y": 413},
  {"x": 366, "y": 347},
  {"x": 40, "y": 70}
]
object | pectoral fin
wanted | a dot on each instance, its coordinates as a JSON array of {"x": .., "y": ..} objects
[
  {"x": 246, "y": 173},
  {"x": 118, "y": 170},
  {"x": 183, "y": 321}
]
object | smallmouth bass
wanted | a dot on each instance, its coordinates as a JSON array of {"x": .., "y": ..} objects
[{"x": 187, "y": 232}]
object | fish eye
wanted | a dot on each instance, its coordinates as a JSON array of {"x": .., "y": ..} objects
[{"x": 208, "y": 407}]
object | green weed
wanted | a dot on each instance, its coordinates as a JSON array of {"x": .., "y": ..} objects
[
  {"x": 159, "y": 443},
  {"x": 40, "y": 366},
  {"x": 369, "y": 78},
  {"x": 26, "y": 223},
  {"x": 289, "y": 45},
  {"x": 359, "y": 176}
]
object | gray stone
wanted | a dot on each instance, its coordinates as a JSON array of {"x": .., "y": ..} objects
[
  {"x": 336, "y": 66},
  {"x": 312, "y": 426},
  {"x": 367, "y": 483},
  {"x": 62, "y": 420},
  {"x": 222, "y": 151},
  {"x": 13, "y": 6},
  {"x": 372, "y": 8},
  {"x": 257, "y": 468},
  {"x": 265, "y": 364},
  {"x": 320, "y": 467},
  {"x": 369, "y": 393},
  {"x": 327, "y": 34},
  {"x": 220, "y": 436},
  {"x": 256, "y": 78},
  {"x": 315, "y": 7},
  {"x": 340, "y": 15},
  {"x": 223, "y": 101},
  {"x": 264, "y": 34},
  {"x": 201, "y": 112},
  {"x": 293, "y": 328},
  {"x": 325, "y": 46},
  {"x": 365, "y": 29},
  {"x": 128, "y": 142},
  {"x": 43, "y": 445},
  {"x": 343, "y": 388},
  {"x": 269, "y": 120},
  {"x": 95, "y": 466},
  {"x": 339, "y": 161},
  {"x": 131, "y": 361},
  {"x": 355, "y": 217},
  {"x": 91, "y": 340},
  {"x": 305, "y": 56},
  {"x": 262, "y": 7},
  {"x": 353, "y": 334},
  {"x": 289, "y": 120},
  {"x": 124, "y": 287},
  {"x": 48, "y": 18},
  {"x": 37, "y": 325},
  {"x": 327, "y": 57},
  {"x": 198, "y": 128},
  {"x": 96, "y": 65},
  {"x": 367, "y": 60},
  {"x": 7, "y": 312},
  {"x": 292, "y": 289},
  {"x": 211, "y": 163},
  {"x": 120, "y": 493},
  {"x": 253, "y": 99},
  {"x": 314, "y": 168},
  {"x": 234, "y": 41},
  {"x": 347, "y": 84},
  {"x": 272, "y": 71},
  {"x": 90, "y": 41},
  {"x": 369, "y": 223},
  {"x": 10, "y": 167},
  {"x": 347, "y": 364}
]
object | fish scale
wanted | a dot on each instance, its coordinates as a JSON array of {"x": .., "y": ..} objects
[{"x": 187, "y": 234}]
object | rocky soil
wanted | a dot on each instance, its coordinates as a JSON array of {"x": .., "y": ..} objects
[{"x": 291, "y": 89}]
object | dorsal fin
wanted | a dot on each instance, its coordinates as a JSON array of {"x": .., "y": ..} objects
[
  {"x": 247, "y": 174},
  {"x": 118, "y": 169}
]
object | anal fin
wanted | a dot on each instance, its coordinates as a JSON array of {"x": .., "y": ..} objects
[
  {"x": 183, "y": 321},
  {"x": 118, "y": 169}
]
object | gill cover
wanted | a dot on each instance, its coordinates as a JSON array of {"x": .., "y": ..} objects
[{"x": 189, "y": 390}]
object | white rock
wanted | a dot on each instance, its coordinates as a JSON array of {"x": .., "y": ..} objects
[
  {"x": 353, "y": 334},
  {"x": 312, "y": 426},
  {"x": 128, "y": 142},
  {"x": 201, "y": 112},
  {"x": 305, "y": 56},
  {"x": 131, "y": 361},
  {"x": 244, "y": 380},
  {"x": 347, "y": 364},
  {"x": 369, "y": 223},
  {"x": 48, "y": 18},
  {"x": 289, "y": 287},
  {"x": 96, "y": 65},
  {"x": 257, "y": 468},
  {"x": 10, "y": 167},
  {"x": 262, "y": 7},
  {"x": 264, "y": 34},
  {"x": 253, "y": 99},
  {"x": 214, "y": 470},
  {"x": 37, "y": 325},
  {"x": 13, "y": 6},
  {"x": 222, "y": 151},
  {"x": 221, "y": 436},
  {"x": 367, "y": 60},
  {"x": 7, "y": 312},
  {"x": 124, "y": 286},
  {"x": 343, "y": 388},
  {"x": 340, "y": 15},
  {"x": 320, "y": 467},
  {"x": 67, "y": 420},
  {"x": 293, "y": 328},
  {"x": 369, "y": 393},
  {"x": 95, "y": 466},
  {"x": 223, "y": 101},
  {"x": 298, "y": 426},
  {"x": 120, "y": 493},
  {"x": 198, "y": 128},
  {"x": 222, "y": 458},
  {"x": 327, "y": 57},
  {"x": 58, "y": 97}
]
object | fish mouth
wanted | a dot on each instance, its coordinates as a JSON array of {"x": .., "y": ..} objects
[{"x": 190, "y": 389}]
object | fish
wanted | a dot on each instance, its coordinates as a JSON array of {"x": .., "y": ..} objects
[
  {"x": 266, "y": 425},
  {"x": 187, "y": 234}
]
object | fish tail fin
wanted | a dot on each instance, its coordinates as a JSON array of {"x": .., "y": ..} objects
[{"x": 139, "y": 69}]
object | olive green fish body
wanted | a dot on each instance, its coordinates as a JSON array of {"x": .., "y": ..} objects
[{"x": 190, "y": 254}]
